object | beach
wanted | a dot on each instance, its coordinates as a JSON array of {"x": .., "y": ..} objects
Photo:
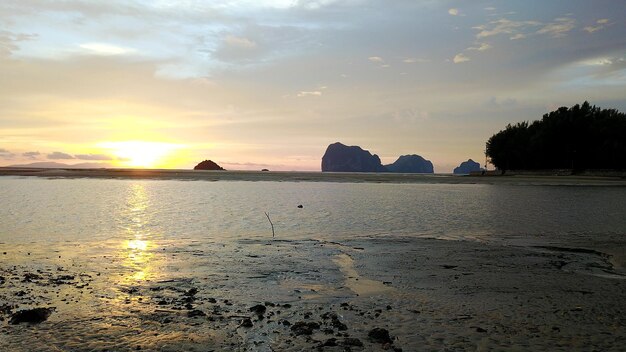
[
  {"x": 144, "y": 264},
  {"x": 428, "y": 294}
]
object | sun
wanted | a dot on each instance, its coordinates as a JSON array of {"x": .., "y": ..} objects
[{"x": 140, "y": 154}]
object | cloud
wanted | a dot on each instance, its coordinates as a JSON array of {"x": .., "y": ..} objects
[
  {"x": 93, "y": 157},
  {"x": 59, "y": 156},
  {"x": 239, "y": 42},
  {"x": 31, "y": 155},
  {"x": 480, "y": 47},
  {"x": 503, "y": 26},
  {"x": 411, "y": 60},
  {"x": 315, "y": 93},
  {"x": 5, "y": 154},
  {"x": 105, "y": 49},
  {"x": 490, "y": 8},
  {"x": 559, "y": 28},
  {"x": 453, "y": 12},
  {"x": 9, "y": 40},
  {"x": 376, "y": 59},
  {"x": 600, "y": 24},
  {"x": 459, "y": 58}
]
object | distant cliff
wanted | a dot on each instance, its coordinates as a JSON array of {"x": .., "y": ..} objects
[
  {"x": 411, "y": 164},
  {"x": 208, "y": 165},
  {"x": 342, "y": 158},
  {"x": 466, "y": 167}
]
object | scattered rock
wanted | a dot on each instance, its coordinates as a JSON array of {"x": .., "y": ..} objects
[
  {"x": 196, "y": 313},
  {"x": 33, "y": 316},
  {"x": 351, "y": 341},
  {"x": 330, "y": 342},
  {"x": 259, "y": 309},
  {"x": 304, "y": 328},
  {"x": 191, "y": 292},
  {"x": 380, "y": 335},
  {"x": 479, "y": 329},
  {"x": 300, "y": 206},
  {"x": 29, "y": 277},
  {"x": 446, "y": 266},
  {"x": 246, "y": 323}
]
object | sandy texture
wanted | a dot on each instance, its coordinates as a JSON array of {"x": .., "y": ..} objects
[
  {"x": 196, "y": 175},
  {"x": 274, "y": 295}
]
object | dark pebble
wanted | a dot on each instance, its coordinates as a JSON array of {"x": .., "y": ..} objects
[
  {"x": 33, "y": 316},
  {"x": 246, "y": 323},
  {"x": 380, "y": 335},
  {"x": 330, "y": 342},
  {"x": 304, "y": 328},
  {"x": 196, "y": 313},
  {"x": 351, "y": 341},
  {"x": 191, "y": 292},
  {"x": 259, "y": 309}
]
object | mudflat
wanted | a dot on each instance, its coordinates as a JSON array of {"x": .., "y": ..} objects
[{"x": 361, "y": 294}]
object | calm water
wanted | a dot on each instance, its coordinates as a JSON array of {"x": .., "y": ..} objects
[{"x": 38, "y": 209}]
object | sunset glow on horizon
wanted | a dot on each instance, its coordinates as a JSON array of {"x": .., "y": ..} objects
[
  {"x": 270, "y": 84},
  {"x": 141, "y": 154}
]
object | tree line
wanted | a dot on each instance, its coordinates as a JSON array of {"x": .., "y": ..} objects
[{"x": 581, "y": 137}]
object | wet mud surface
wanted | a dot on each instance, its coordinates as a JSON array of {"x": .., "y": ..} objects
[{"x": 276, "y": 295}]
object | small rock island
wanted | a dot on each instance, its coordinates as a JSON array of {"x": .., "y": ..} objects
[
  {"x": 208, "y": 165},
  {"x": 411, "y": 164},
  {"x": 466, "y": 167}
]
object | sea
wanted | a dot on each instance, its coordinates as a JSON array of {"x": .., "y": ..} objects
[{"x": 35, "y": 209}]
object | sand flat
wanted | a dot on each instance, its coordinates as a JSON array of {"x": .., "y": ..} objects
[
  {"x": 439, "y": 294},
  {"x": 295, "y": 176}
]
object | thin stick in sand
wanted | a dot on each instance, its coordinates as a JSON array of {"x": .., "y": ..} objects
[{"x": 270, "y": 220}]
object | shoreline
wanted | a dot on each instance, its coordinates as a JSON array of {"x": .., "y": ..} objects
[{"x": 300, "y": 176}]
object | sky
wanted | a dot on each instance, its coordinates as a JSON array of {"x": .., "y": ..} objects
[{"x": 254, "y": 84}]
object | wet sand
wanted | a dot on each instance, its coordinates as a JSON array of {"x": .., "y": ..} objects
[
  {"x": 193, "y": 175},
  {"x": 283, "y": 295}
]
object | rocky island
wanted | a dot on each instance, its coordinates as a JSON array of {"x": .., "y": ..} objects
[
  {"x": 466, "y": 167},
  {"x": 411, "y": 164},
  {"x": 343, "y": 158},
  {"x": 208, "y": 165}
]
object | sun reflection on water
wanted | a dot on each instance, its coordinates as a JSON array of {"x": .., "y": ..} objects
[{"x": 137, "y": 250}]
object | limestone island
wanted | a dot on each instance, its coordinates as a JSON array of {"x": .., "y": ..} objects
[
  {"x": 342, "y": 158},
  {"x": 467, "y": 167},
  {"x": 411, "y": 164},
  {"x": 208, "y": 165}
]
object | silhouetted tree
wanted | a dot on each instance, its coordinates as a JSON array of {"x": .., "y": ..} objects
[{"x": 580, "y": 137}]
